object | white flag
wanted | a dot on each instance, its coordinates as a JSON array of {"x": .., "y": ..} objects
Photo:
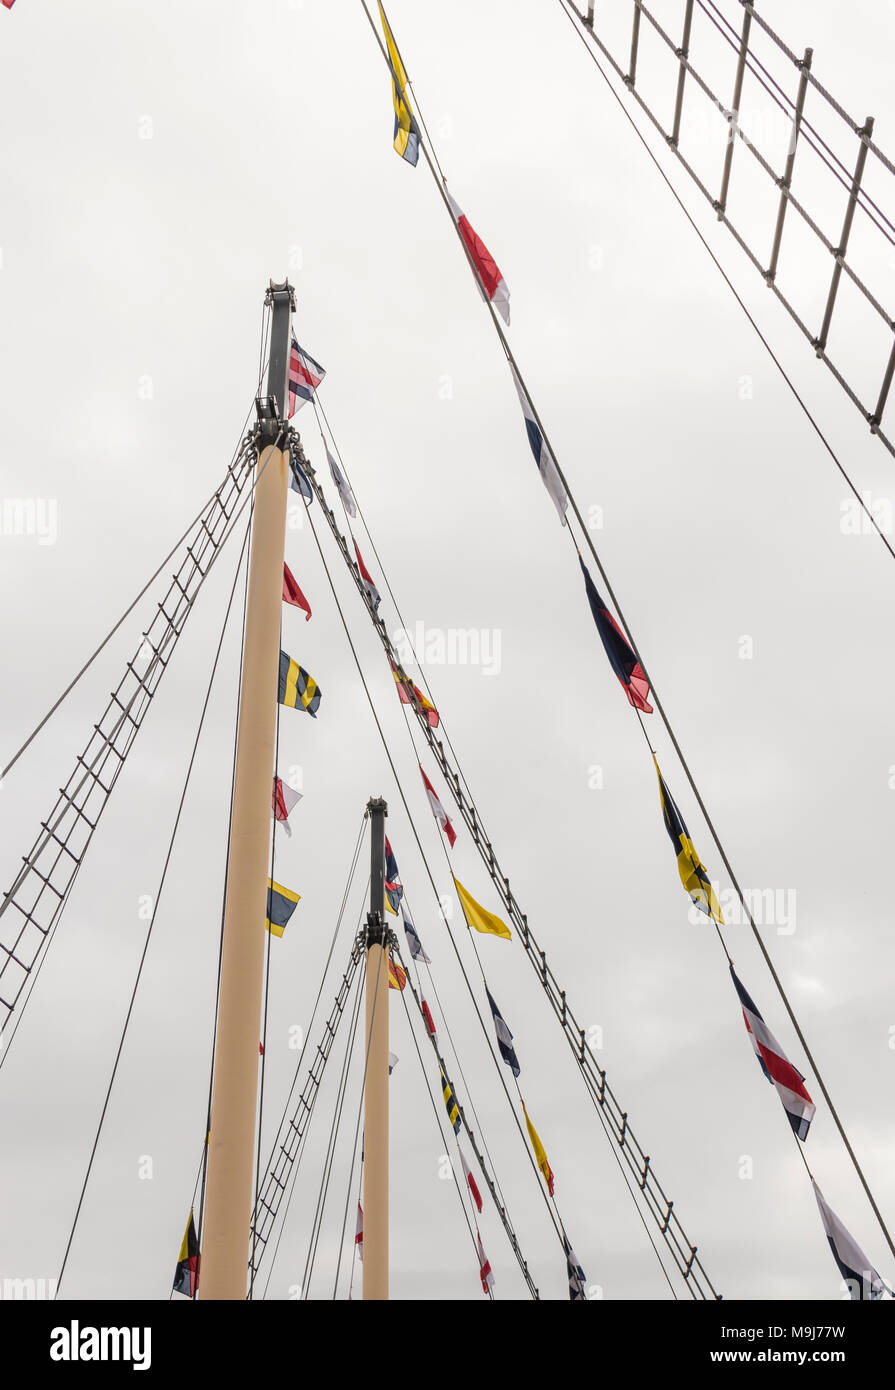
[
  {"x": 543, "y": 457},
  {"x": 863, "y": 1281},
  {"x": 341, "y": 483}
]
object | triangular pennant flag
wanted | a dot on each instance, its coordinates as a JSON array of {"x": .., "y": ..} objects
[
  {"x": 621, "y": 657},
  {"x": 692, "y": 871},
  {"x": 491, "y": 283},
  {"x": 540, "y": 1152},
  {"x": 293, "y": 594},
  {"x": 479, "y": 917},
  {"x": 543, "y": 457},
  {"x": 438, "y": 810}
]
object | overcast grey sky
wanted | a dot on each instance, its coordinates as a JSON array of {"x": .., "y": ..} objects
[{"x": 161, "y": 162}]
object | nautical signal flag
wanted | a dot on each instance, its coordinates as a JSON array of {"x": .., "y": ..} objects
[
  {"x": 504, "y": 1036},
  {"x": 394, "y": 888},
  {"x": 540, "y": 1152},
  {"x": 485, "y": 1273},
  {"x": 577, "y": 1276},
  {"x": 471, "y": 1182},
  {"x": 297, "y": 689},
  {"x": 298, "y": 480},
  {"x": 438, "y": 810},
  {"x": 284, "y": 799},
  {"x": 406, "y": 137},
  {"x": 341, "y": 482},
  {"x": 410, "y": 694},
  {"x": 393, "y": 1060},
  {"x": 8, "y": 4},
  {"x": 305, "y": 375},
  {"x": 621, "y": 657},
  {"x": 281, "y": 903},
  {"x": 427, "y": 1015},
  {"x": 479, "y": 917},
  {"x": 413, "y": 941},
  {"x": 864, "y": 1284},
  {"x": 186, "y": 1273},
  {"x": 489, "y": 279},
  {"x": 779, "y": 1071},
  {"x": 293, "y": 594},
  {"x": 397, "y": 977},
  {"x": 450, "y": 1104},
  {"x": 367, "y": 580},
  {"x": 359, "y": 1233},
  {"x": 693, "y": 873},
  {"x": 543, "y": 457}
]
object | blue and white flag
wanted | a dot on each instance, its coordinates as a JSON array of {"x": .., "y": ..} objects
[
  {"x": 413, "y": 941},
  {"x": 298, "y": 480},
  {"x": 341, "y": 483},
  {"x": 504, "y": 1037},
  {"x": 577, "y": 1276},
  {"x": 864, "y": 1284},
  {"x": 543, "y": 457}
]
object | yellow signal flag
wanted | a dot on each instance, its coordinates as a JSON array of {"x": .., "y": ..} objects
[
  {"x": 479, "y": 917},
  {"x": 540, "y": 1152}
]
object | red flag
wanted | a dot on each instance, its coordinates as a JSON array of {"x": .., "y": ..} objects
[
  {"x": 359, "y": 1232},
  {"x": 284, "y": 799},
  {"x": 473, "y": 1185},
  {"x": 438, "y": 810},
  {"x": 367, "y": 579},
  {"x": 428, "y": 1017},
  {"x": 494, "y": 285},
  {"x": 9, "y": 3},
  {"x": 485, "y": 1274},
  {"x": 261, "y": 1049},
  {"x": 293, "y": 594}
]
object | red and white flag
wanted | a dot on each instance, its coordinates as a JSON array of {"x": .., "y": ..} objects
[
  {"x": 438, "y": 810},
  {"x": 485, "y": 1274},
  {"x": 293, "y": 594},
  {"x": 367, "y": 579},
  {"x": 359, "y": 1232},
  {"x": 493, "y": 285},
  {"x": 284, "y": 799},
  {"x": 473, "y": 1185}
]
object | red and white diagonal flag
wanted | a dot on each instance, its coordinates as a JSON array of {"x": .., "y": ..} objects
[
  {"x": 473, "y": 1185},
  {"x": 491, "y": 282},
  {"x": 438, "y": 810},
  {"x": 485, "y": 1274},
  {"x": 284, "y": 799}
]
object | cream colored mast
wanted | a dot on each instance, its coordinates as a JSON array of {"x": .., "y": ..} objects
[
  {"x": 375, "y": 1146},
  {"x": 231, "y": 1144}
]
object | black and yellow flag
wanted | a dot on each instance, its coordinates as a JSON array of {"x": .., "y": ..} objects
[
  {"x": 450, "y": 1103},
  {"x": 297, "y": 689},
  {"x": 694, "y": 875},
  {"x": 406, "y": 138}
]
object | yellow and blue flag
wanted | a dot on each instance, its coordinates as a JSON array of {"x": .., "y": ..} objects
[
  {"x": 406, "y": 139},
  {"x": 297, "y": 689},
  {"x": 694, "y": 875},
  {"x": 281, "y": 903}
]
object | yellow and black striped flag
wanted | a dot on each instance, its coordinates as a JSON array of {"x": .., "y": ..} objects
[{"x": 297, "y": 689}]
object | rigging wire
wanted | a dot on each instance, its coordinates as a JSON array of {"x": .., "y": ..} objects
[
  {"x": 125, "y": 615},
  {"x": 142, "y": 962},
  {"x": 412, "y": 823},
  {"x": 572, "y": 15}
]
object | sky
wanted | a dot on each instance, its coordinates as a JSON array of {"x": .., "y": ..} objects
[{"x": 162, "y": 163}]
